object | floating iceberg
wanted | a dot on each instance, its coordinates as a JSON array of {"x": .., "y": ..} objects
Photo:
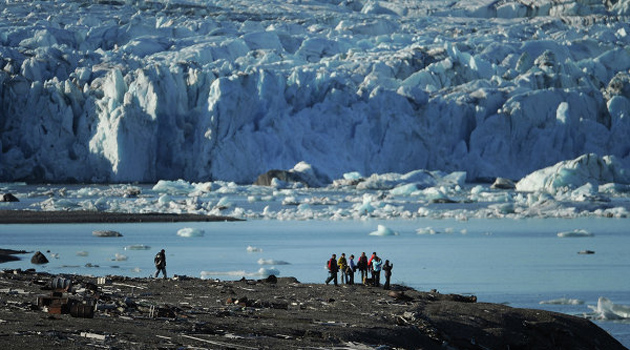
[
  {"x": 262, "y": 272},
  {"x": 190, "y": 232},
  {"x": 272, "y": 262},
  {"x": 251, "y": 249},
  {"x": 426, "y": 231},
  {"x": 562, "y": 301},
  {"x": 137, "y": 247},
  {"x": 383, "y": 231},
  {"x": 119, "y": 257},
  {"x": 575, "y": 233},
  {"x": 106, "y": 233}
]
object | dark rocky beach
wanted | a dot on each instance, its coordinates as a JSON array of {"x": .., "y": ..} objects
[{"x": 43, "y": 311}]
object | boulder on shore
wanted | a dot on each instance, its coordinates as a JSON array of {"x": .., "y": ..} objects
[
  {"x": 39, "y": 258},
  {"x": 8, "y": 197}
]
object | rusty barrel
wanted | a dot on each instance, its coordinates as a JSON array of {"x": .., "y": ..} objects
[{"x": 60, "y": 283}]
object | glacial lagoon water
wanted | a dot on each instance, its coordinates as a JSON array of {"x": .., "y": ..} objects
[{"x": 518, "y": 262}]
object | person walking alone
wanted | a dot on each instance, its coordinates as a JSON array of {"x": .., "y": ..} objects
[
  {"x": 332, "y": 269},
  {"x": 160, "y": 263}
]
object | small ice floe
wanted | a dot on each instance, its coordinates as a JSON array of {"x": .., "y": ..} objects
[
  {"x": 210, "y": 274},
  {"x": 266, "y": 272},
  {"x": 575, "y": 233},
  {"x": 82, "y": 253},
  {"x": 106, "y": 233},
  {"x": 562, "y": 301},
  {"x": 262, "y": 261},
  {"x": 190, "y": 232},
  {"x": 263, "y": 272},
  {"x": 54, "y": 255},
  {"x": 383, "y": 231},
  {"x": 426, "y": 231},
  {"x": 119, "y": 257},
  {"x": 251, "y": 249},
  {"x": 137, "y": 247},
  {"x": 607, "y": 310},
  {"x": 136, "y": 270},
  {"x": 586, "y": 252}
]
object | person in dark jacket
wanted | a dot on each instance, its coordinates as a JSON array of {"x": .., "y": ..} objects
[
  {"x": 332, "y": 269},
  {"x": 160, "y": 263},
  {"x": 362, "y": 265},
  {"x": 388, "y": 273}
]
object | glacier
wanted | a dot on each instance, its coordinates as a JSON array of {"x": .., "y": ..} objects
[{"x": 124, "y": 91}]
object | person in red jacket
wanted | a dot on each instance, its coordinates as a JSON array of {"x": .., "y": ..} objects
[
  {"x": 370, "y": 267},
  {"x": 332, "y": 269}
]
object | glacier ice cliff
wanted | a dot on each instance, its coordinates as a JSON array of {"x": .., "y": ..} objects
[{"x": 121, "y": 91}]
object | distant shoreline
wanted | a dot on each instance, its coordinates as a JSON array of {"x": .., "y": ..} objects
[{"x": 83, "y": 217}]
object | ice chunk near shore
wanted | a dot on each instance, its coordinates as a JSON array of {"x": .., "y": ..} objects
[
  {"x": 262, "y": 261},
  {"x": 190, "y": 232},
  {"x": 266, "y": 272},
  {"x": 575, "y": 233},
  {"x": 382, "y": 231},
  {"x": 137, "y": 247},
  {"x": 572, "y": 174},
  {"x": 607, "y": 310},
  {"x": 426, "y": 231},
  {"x": 119, "y": 257},
  {"x": 562, "y": 301},
  {"x": 262, "y": 272},
  {"x": 251, "y": 249}
]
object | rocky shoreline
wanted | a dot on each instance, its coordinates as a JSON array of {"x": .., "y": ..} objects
[
  {"x": 83, "y": 216},
  {"x": 116, "y": 312}
]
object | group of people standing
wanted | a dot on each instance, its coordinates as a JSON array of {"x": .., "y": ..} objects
[{"x": 367, "y": 267}]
